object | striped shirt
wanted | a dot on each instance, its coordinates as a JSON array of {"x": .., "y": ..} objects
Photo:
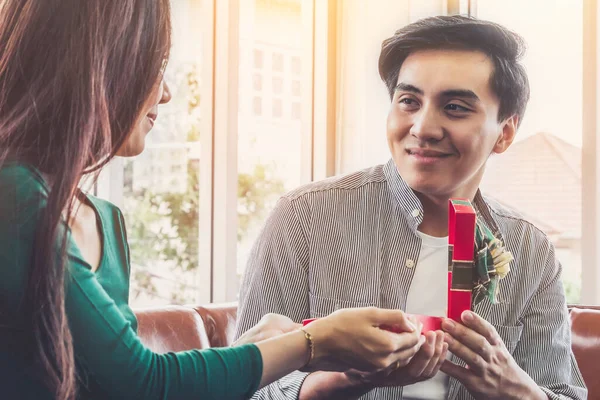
[{"x": 352, "y": 241}]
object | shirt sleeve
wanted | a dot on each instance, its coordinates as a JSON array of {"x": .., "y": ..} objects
[
  {"x": 118, "y": 361},
  {"x": 276, "y": 281}
]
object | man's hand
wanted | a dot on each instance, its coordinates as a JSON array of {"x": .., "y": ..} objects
[
  {"x": 424, "y": 365},
  {"x": 491, "y": 372}
]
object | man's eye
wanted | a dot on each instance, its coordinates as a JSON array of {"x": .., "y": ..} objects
[
  {"x": 456, "y": 107},
  {"x": 408, "y": 101},
  {"x": 408, "y": 104}
]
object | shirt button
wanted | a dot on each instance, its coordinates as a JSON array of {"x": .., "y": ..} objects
[
  {"x": 410, "y": 264},
  {"x": 416, "y": 212}
]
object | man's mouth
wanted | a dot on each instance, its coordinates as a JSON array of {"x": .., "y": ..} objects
[{"x": 427, "y": 153}]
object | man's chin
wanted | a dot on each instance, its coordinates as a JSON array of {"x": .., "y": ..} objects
[
  {"x": 428, "y": 187},
  {"x": 427, "y": 181}
]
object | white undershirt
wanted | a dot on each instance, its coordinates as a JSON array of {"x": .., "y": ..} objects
[{"x": 428, "y": 295}]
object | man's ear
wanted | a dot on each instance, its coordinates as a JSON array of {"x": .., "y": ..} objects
[{"x": 509, "y": 130}]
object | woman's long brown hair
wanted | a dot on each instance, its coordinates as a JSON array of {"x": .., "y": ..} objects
[{"x": 74, "y": 78}]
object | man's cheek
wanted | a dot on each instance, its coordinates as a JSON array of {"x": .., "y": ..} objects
[{"x": 395, "y": 126}]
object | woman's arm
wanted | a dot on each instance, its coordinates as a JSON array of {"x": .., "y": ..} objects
[{"x": 112, "y": 355}]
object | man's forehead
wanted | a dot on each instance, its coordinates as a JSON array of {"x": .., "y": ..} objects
[{"x": 443, "y": 70}]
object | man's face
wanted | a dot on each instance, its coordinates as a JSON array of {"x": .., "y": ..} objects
[{"x": 443, "y": 122}]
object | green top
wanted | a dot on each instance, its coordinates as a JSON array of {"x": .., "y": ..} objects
[{"x": 112, "y": 361}]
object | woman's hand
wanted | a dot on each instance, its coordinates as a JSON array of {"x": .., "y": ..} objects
[
  {"x": 353, "y": 339},
  {"x": 271, "y": 325}
]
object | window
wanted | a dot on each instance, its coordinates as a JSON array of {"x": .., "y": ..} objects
[
  {"x": 266, "y": 169},
  {"x": 541, "y": 174},
  {"x": 286, "y": 126},
  {"x": 159, "y": 193},
  {"x": 216, "y": 160}
]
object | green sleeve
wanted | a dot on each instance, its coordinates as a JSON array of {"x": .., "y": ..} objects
[
  {"x": 105, "y": 344},
  {"x": 122, "y": 366}
]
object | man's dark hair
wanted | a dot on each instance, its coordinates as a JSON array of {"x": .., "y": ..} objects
[{"x": 504, "y": 47}]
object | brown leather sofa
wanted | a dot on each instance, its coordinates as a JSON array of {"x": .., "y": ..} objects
[
  {"x": 585, "y": 331},
  {"x": 176, "y": 328}
]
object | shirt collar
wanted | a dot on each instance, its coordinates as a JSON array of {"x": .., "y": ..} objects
[{"x": 412, "y": 208}]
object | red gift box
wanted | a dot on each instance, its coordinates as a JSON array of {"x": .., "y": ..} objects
[
  {"x": 461, "y": 242},
  {"x": 461, "y": 262}
]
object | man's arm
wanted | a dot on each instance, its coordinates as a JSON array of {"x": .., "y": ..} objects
[
  {"x": 332, "y": 385},
  {"x": 544, "y": 351},
  {"x": 276, "y": 281}
]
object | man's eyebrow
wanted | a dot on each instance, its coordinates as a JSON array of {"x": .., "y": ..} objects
[
  {"x": 405, "y": 87},
  {"x": 465, "y": 93}
]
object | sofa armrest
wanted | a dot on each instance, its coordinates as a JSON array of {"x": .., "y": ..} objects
[
  {"x": 171, "y": 328},
  {"x": 219, "y": 322},
  {"x": 585, "y": 338}
]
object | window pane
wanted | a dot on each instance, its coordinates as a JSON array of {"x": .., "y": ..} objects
[
  {"x": 257, "y": 106},
  {"x": 277, "y": 62},
  {"x": 296, "y": 110},
  {"x": 296, "y": 88},
  {"x": 258, "y": 59},
  {"x": 257, "y": 82},
  {"x": 277, "y": 85},
  {"x": 277, "y": 108},
  {"x": 269, "y": 147},
  {"x": 161, "y": 185},
  {"x": 296, "y": 65},
  {"x": 540, "y": 174}
]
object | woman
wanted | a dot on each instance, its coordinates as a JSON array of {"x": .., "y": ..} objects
[{"x": 80, "y": 82}]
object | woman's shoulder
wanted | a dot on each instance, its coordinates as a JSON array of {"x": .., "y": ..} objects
[
  {"x": 21, "y": 187},
  {"x": 15, "y": 175},
  {"x": 111, "y": 216},
  {"x": 104, "y": 207}
]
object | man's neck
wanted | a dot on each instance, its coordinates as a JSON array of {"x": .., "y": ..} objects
[{"x": 435, "y": 214}]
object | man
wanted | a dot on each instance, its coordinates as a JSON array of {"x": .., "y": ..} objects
[{"x": 378, "y": 237}]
